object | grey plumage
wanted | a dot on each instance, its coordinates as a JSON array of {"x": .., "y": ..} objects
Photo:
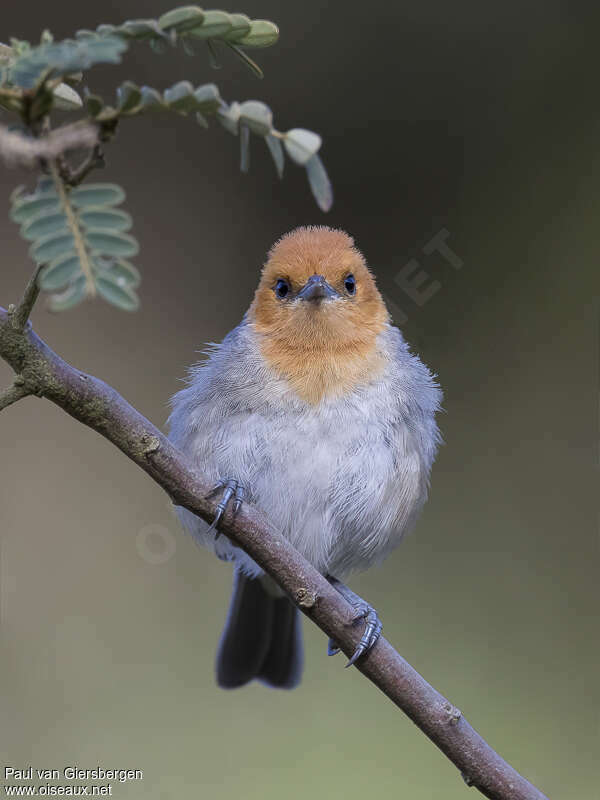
[{"x": 343, "y": 480}]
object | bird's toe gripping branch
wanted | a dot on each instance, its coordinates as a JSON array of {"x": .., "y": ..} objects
[
  {"x": 232, "y": 488},
  {"x": 364, "y": 611}
]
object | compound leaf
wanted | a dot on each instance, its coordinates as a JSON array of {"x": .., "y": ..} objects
[{"x": 97, "y": 194}]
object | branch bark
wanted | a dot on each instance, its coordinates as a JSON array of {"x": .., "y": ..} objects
[
  {"x": 100, "y": 407},
  {"x": 13, "y": 393}
]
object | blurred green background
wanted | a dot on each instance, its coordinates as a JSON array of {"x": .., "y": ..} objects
[{"x": 475, "y": 117}]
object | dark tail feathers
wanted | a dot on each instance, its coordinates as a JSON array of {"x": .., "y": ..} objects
[{"x": 262, "y": 639}]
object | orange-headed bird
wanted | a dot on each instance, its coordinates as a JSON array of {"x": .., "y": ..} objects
[{"x": 314, "y": 409}]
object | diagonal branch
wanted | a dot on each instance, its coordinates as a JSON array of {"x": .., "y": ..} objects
[{"x": 100, "y": 407}]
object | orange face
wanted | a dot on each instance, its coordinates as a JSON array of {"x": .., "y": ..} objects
[{"x": 318, "y": 311}]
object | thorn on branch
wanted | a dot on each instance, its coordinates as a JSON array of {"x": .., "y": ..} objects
[{"x": 20, "y": 314}]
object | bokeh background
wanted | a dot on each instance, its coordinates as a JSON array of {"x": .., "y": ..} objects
[{"x": 479, "y": 118}]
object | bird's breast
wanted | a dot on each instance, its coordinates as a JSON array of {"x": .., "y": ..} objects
[{"x": 323, "y": 367}]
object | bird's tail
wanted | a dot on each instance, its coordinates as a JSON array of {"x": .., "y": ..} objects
[{"x": 262, "y": 638}]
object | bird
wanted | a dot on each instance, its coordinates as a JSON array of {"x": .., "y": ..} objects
[{"x": 314, "y": 409}]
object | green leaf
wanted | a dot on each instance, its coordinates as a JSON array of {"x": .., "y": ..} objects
[
  {"x": 66, "y": 98},
  {"x": 244, "y": 148},
  {"x": 151, "y": 99},
  {"x": 229, "y": 117},
  {"x": 116, "y": 292},
  {"x": 262, "y": 33},
  {"x": 301, "y": 144},
  {"x": 129, "y": 96},
  {"x": 29, "y": 206},
  {"x": 213, "y": 58},
  {"x": 252, "y": 65},
  {"x": 276, "y": 150},
  {"x": 139, "y": 29},
  {"x": 180, "y": 97},
  {"x": 102, "y": 218},
  {"x": 104, "y": 30},
  {"x": 6, "y": 54},
  {"x": 17, "y": 194},
  {"x": 181, "y": 19},
  {"x": 207, "y": 98},
  {"x": 93, "y": 103},
  {"x": 45, "y": 183},
  {"x": 240, "y": 26},
  {"x": 76, "y": 292},
  {"x": 59, "y": 272},
  {"x": 119, "y": 269},
  {"x": 51, "y": 247},
  {"x": 190, "y": 46},
  {"x": 97, "y": 194},
  {"x": 107, "y": 114},
  {"x": 257, "y": 116},
  {"x": 111, "y": 243},
  {"x": 215, "y": 24},
  {"x": 319, "y": 183},
  {"x": 43, "y": 225},
  {"x": 62, "y": 58},
  {"x": 158, "y": 45}
]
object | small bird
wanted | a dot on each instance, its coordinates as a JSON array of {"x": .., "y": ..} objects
[{"x": 314, "y": 409}]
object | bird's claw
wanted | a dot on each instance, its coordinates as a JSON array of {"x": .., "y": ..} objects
[
  {"x": 371, "y": 633},
  {"x": 365, "y": 612},
  {"x": 231, "y": 488}
]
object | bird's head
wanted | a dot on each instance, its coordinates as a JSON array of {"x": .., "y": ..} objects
[
  {"x": 317, "y": 308},
  {"x": 317, "y": 292}
]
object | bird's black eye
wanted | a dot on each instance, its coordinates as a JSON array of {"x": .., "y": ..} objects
[
  {"x": 282, "y": 288},
  {"x": 350, "y": 284}
]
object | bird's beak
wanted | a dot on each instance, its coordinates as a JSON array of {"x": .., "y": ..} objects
[{"x": 316, "y": 288}]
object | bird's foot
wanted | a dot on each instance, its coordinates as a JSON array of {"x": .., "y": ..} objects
[
  {"x": 364, "y": 612},
  {"x": 232, "y": 488}
]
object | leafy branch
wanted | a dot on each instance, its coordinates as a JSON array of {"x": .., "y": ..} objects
[
  {"x": 80, "y": 238},
  {"x": 83, "y": 250}
]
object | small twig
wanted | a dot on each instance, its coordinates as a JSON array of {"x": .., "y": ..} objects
[
  {"x": 20, "y": 313},
  {"x": 17, "y": 149},
  {"x": 94, "y": 160},
  {"x": 13, "y": 393}
]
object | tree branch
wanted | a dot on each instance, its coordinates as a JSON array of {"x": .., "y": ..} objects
[{"x": 100, "y": 407}]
